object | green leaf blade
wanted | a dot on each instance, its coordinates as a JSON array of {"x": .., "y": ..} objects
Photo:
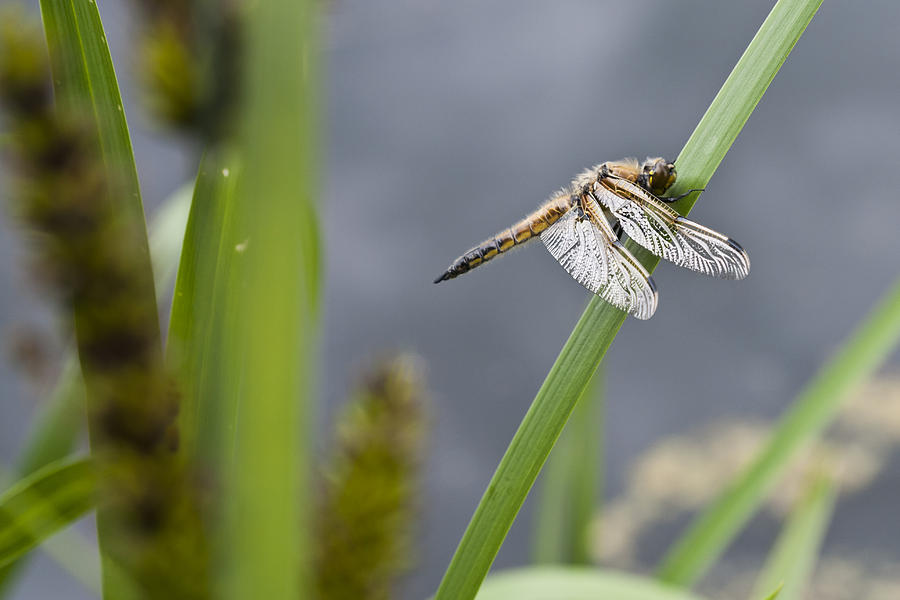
[
  {"x": 85, "y": 79},
  {"x": 775, "y": 593},
  {"x": 194, "y": 346},
  {"x": 272, "y": 311},
  {"x": 791, "y": 562},
  {"x": 576, "y": 583},
  {"x": 43, "y": 503}
]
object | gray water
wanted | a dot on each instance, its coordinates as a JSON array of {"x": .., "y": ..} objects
[{"x": 450, "y": 120}]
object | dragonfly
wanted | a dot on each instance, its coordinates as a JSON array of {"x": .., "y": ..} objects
[{"x": 584, "y": 224}]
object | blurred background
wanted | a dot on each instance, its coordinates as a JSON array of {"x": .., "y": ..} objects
[{"x": 445, "y": 122}]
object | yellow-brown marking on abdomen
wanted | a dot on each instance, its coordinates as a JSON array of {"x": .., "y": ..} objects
[{"x": 522, "y": 231}]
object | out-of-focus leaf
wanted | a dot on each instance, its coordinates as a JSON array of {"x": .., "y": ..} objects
[
  {"x": 84, "y": 79},
  {"x": 576, "y": 583},
  {"x": 42, "y": 503},
  {"x": 271, "y": 312},
  {"x": 793, "y": 558},
  {"x": 198, "y": 321},
  {"x": 775, "y": 594},
  {"x": 115, "y": 248}
]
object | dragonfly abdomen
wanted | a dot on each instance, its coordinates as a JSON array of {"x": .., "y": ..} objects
[{"x": 523, "y": 231}]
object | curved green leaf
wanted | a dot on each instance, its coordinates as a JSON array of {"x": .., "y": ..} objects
[
  {"x": 600, "y": 322},
  {"x": 84, "y": 79},
  {"x": 775, "y": 593},
  {"x": 86, "y": 89},
  {"x": 42, "y": 503},
  {"x": 194, "y": 347},
  {"x": 576, "y": 583},
  {"x": 272, "y": 326}
]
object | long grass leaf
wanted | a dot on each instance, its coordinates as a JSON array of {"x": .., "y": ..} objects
[
  {"x": 587, "y": 471},
  {"x": 116, "y": 249},
  {"x": 197, "y": 324},
  {"x": 791, "y": 562},
  {"x": 55, "y": 432},
  {"x": 43, "y": 503},
  {"x": 815, "y": 408},
  {"x": 84, "y": 78},
  {"x": 273, "y": 321},
  {"x": 600, "y": 322},
  {"x": 551, "y": 531},
  {"x": 576, "y": 583}
]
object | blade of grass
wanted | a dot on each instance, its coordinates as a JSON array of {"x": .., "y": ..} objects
[
  {"x": 272, "y": 319},
  {"x": 551, "y": 530},
  {"x": 791, "y": 562},
  {"x": 600, "y": 322},
  {"x": 84, "y": 78},
  {"x": 115, "y": 248},
  {"x": 576, "y": 583},
  {"x": 587, "y": 471},
  {"x": 194, "y": 347},
  {"x": 55, "y": 432},
  {"x": 814, "y": 408},
  {"x": 43, "y": 503},
  {"x": 77, "y": 555},
  {"x": 571, "y": 484},
  {"x": 775, "y": 594}
]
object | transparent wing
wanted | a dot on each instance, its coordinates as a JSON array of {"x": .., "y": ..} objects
[
  {"x": 668, "y": 235},
  {"x": 586, "y": 247}
]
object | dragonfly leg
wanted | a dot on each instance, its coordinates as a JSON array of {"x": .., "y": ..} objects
[
  {"x": 579, "y": 210},
  {"x": 669, "y": 199}
]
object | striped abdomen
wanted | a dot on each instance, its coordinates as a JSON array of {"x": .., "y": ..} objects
[{"x": 518, "y": 234}]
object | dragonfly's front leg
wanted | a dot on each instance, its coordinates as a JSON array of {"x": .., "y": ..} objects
[
  {"x": 588, "y": 191},
  {"x": 579, "y": 205},
  {"x": 670, "y": 199}
]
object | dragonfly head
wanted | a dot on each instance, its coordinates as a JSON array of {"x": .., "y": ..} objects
[{"x": 657, "y": 175}]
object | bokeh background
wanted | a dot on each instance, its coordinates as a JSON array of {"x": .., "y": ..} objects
[{"x": 446, "y": 121}]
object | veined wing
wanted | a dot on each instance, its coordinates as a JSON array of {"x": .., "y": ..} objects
[
  {"x": 668, "y": 235},
  {"x": 587, "y": 248}
]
